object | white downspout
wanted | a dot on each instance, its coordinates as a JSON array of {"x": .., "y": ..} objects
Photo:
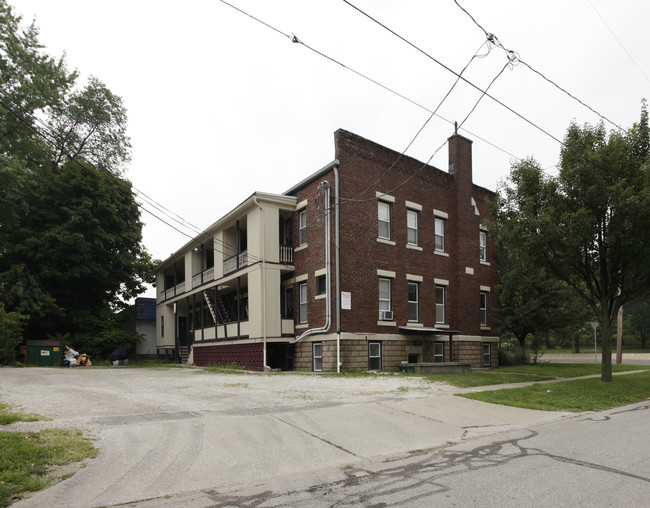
[
  {"x": 328, "y": 273},
  {"x": 262, "y": 227},
  {"x": 338, "y": 272}
]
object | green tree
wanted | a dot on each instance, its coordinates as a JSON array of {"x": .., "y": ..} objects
[
  {"x": 637, "y": 318},
  {"x": 589, "y": 226},
  {"x": 70, "y": 229},
  {"x": 10, "y": 335}
]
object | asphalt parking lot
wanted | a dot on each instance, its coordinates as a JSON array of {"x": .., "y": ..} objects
[{"x": 164, "y": 433}]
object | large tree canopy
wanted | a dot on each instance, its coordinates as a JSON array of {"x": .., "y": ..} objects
[
  {"x": 590, "y": 225},
  {"x": 70, "y": 229}
]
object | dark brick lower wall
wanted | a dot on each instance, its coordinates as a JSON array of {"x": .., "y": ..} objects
[{"x": 250, "y": 355}]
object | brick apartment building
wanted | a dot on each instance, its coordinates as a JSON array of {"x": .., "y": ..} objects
[{"x": 374, "y": 261}]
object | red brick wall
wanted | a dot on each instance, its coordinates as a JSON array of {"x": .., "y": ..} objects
[
  {"x": 364, "y": 170},
  {"x": 250, "y": 355}
]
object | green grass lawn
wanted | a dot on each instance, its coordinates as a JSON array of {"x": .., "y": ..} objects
[
  {"x": 29, "y": 460},
  {"x": 577, "y": 395}
]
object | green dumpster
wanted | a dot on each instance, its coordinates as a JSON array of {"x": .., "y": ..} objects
[{"x": 44, "y": 353}]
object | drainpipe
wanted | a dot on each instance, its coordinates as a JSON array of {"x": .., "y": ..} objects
[
  {"x": 338, "y": 272},
  {"x": 263, "y": 280},
  {"x": 328, "y": 270}
]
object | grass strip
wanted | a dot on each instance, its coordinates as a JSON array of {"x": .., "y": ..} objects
[
  {"x": 575, "y": 396},
  {"x": 9, "y": 415},
  {"x": 28, "y": 460},
  {"x": 472, "y": 379}
]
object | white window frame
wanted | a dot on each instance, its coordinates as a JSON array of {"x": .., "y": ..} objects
[
  {"x": 317, "y": 356},
  {"x": 385, "y": 304},
  {"x": 441, "y": 306},
  {"x": 302, "y": 228},
  {"x": 487, "y": 354},
  {"x": 412, "y": 227},
  {"x": 371, "y": 356},
  {"x": 386, "y": 221},
  {"x": 438, "y": 352},
  {"x": 413, "y": 304},
  {"x": 482, "y": 248},
  {"x": 302, "y": 298},
  {"x": 440, "y": 237},
  {"x": 483, "y": 306}
]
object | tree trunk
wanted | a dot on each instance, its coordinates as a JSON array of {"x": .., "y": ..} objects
[
  {"x": 575, "y": 343},
  {"x": 606, "y": 364}
]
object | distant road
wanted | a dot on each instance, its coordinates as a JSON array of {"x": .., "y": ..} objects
[{"x": 628, "y": 358}]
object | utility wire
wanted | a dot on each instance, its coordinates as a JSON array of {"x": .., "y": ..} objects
[
  {"x": 434, "y": 112},
  {"x": 45, "y": 134},
  {"x": 619, "y": 41},
  {"x": 293, "y": 38},
  {"x": 420, "y": 50},
  {"x": 515, "y": 56}
]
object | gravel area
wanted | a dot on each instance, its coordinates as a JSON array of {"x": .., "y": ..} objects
[{"x": 84, "y": 397}]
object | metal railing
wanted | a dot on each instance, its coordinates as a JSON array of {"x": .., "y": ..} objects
[{"x": 235, "y": 262}]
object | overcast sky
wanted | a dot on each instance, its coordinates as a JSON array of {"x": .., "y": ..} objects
[{"x": 221, "y": 106}]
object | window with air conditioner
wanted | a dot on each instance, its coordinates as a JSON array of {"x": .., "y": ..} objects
[{"x": 385, "y": 303}]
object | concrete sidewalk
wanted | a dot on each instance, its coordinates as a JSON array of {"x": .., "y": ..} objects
[{"x": 166, "y": 436}]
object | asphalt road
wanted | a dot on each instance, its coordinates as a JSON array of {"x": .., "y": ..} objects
[{"x": 183, "y": 437}]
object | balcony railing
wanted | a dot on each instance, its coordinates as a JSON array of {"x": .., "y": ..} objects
[
  {"x": 235, "y": 262},
  {"x": 286, "y": 254}
]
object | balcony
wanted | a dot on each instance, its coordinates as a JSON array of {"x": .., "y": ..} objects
[
  {"x": 202, "y": 278},
  {"x": 235, "y": 262},
  {"x": 286, "y": 254}
]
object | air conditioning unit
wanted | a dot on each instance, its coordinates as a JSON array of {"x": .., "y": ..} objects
[{"x": 386, "y": 315}]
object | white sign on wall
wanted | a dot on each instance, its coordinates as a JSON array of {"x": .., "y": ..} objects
[{"x": 346, "y": 300}]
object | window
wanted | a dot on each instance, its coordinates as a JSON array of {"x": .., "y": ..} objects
[
  {"x": 487, "y": 354},
  {"x": 383, "y": 220},
  {"x": 484, "y": 308},
  {"x": 440, "y": 234},
  {"x": 162, "y": 326},
  {"x": 482, "y": 241},
  {"x": 317, "y": 356},
  {"x": 414, "y": 302},
  {"x": 288, "y": 304},
  {"x": 412, "y": 227},
  {"x": 321, "y": 285},
  {"x": 438, "y": 352},
  {"x": 374, "y": 355},
  {"x": 302, "y": 228},
  {"x": 441, "y": 304},
  {"x": 385, "y": 304},
  {"x": 303, "y": 302}
]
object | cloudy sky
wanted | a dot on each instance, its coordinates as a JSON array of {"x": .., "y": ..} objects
[{"x": 221, "y": 105}]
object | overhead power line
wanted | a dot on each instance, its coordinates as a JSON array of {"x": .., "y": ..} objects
[
  {"x": 50, "y": 138},
  {"x": 514, "y": 55},
  {"x": 447, "y": 68},
  {"x": 293, "y": 38}
]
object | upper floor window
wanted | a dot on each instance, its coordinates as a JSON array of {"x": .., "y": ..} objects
[
  {"x": 484, "y": 308},
  {"x": 412, "y": 227},
  {"x": 302, "y": 228},
  {"x": 322, "y": 285},
  {"x": 440, "y": 234},
  {"x": 441, "y": 304},
  {"x": 383, "y": 220},
  {"x": 414, "y": 302},
  {"x": 482, "y": 242},
  {"x": 385, "y": 303},
  {"x": 302, "y": 288}
]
